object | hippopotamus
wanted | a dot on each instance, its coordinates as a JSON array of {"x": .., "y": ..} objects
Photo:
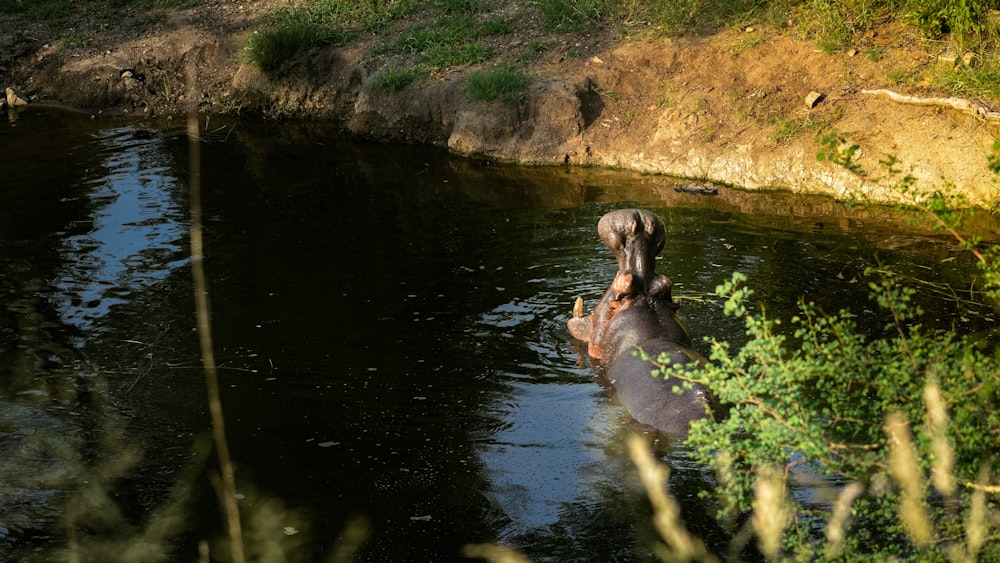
[{"x": 638, "y": 313}]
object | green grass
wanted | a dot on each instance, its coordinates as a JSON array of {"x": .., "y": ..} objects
[
  {"x": 54, "y": 11},
  {"x": 318, "y": 23},
  {"x": 982, "y": 80},
  {"x": 74, "y": 39},
  {"x": 746, "y": 42},
  {"x": 444, "y": 42},
  {"x": 505, "y": 84},
  {"x": 535, "y": 49},
  {"x": 460, "y": 6},
  {"x": 272, "y": 48},
  {"x": 830, "y": 25},
  {"x": 447, "y": 33},
  {"x": 394, "y": 79},
  {"x": 497, "y": 26},
  {"x": 572, "y": 15}
]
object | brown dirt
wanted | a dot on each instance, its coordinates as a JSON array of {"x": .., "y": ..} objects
[{"x": 727, "y": 107}]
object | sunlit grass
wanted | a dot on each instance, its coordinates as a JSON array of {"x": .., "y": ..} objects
[
  {"x": 443, "y": 42},
  {"x": 310, "y": 24},
  {"x": 980, "y": 80},
  {"x": 506, "y": 84}
]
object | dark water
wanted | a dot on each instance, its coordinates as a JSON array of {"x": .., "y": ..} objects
[{"x": 390, "y": 324}]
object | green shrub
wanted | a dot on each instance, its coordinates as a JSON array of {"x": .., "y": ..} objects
[
  {"x": 817, "y": 396},
  {"x": 274, "y": 47},
  {"x": 881, "y": 411},
  {"x": 506, "y": 84},
  {"x": 958, "y": 17}
]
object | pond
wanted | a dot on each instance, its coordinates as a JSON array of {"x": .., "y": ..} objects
[{"x": 390, "y": 325}]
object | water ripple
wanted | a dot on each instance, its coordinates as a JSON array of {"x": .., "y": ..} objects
[{"x": 134, "y": 238}]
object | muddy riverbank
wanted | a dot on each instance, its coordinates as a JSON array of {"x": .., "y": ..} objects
[{"x": 738, "y": 107}]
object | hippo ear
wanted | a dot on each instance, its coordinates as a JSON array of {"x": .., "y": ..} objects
[
  {"x": 659, "y": 239},
  {"x": 660, "y": 287},
  {"x": 655, "y": 230},
  {"x": 610, "y": 232}
]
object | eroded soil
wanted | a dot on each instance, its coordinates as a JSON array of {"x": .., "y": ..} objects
[{"x": 729, "y": 107}]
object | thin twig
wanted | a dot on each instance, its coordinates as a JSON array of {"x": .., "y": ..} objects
[{"x": 227, "y": 490}]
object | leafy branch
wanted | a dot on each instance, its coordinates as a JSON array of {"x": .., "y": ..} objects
[{"x": 879, "y": 411}]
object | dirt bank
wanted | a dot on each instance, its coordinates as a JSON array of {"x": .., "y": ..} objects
[{"x": 729, "y": 108}]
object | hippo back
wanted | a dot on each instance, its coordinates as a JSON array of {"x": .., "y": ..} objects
[{"x": 652, "y": 400}]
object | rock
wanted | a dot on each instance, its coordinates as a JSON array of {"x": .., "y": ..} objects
[
  {"x": 596, "y": 60},
  {"x": 852, "y": 52},
  {"x": 547, "y": 128},
  {"x": 814, "y": 98},
  {"x": 15, "y": 99},
  {"x": 969, "y": 58}
]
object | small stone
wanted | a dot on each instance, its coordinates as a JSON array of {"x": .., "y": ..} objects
[
  {"x": 596, "y": 60},
  {"x": 15, "y": 99},
  {"x": 852, "y": 52},
  {"x": 814, "y": 98},
  {"x": 749, "y": 29},
  {"x": 969, "y": 58}
]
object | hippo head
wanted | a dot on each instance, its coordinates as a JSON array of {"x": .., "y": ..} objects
[{"x": 635, "y": 237}]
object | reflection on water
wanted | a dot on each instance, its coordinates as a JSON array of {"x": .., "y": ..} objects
[
  {"x": 132, "y": 238},
  {"x": 390, "y": 326}
]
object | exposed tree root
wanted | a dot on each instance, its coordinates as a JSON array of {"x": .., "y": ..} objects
[{"x": 964, "y": 106}]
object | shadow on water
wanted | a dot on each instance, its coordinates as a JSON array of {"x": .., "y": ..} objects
[{"x": 390, "y": 329}]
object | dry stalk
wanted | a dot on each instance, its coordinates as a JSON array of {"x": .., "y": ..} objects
[
  {"x": 666, "y": 512},
  {"x": 975, "y": 525},
  {"x": 837, "y": 526},
  {"x": 771, "y": 512},
  {"x": 905, "y": 471},
  {"x": 942, "y": 472},
  {"x": 352, "y": 538},
  {"x": 227, "y": 490},
  {"x": 493, "y": 553}
]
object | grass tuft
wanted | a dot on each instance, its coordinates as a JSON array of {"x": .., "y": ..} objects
[
  {"x": 571, "y": 15},
  {"x": 74, "y": 39},
  {"x": 272, "y": 48},
  {"x": 394, "y": 79},
  {"x": 506, "y": 84},
  {"x": 981, "y": 80},
  {"x": 317, "y": 23},
  {"x": 444, "y": 42}
]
